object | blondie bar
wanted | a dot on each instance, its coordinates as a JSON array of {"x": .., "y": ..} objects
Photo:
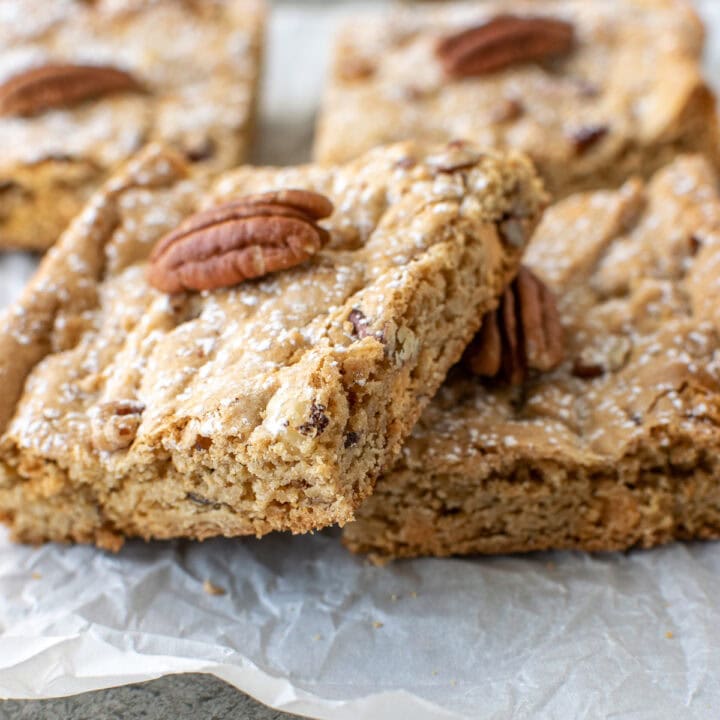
[
  {"x": 83, "y": 85},
  {"x": 232, "y": 356},
  {"x": 616, "y": 448},
  {"x": 593, "y": 91}
]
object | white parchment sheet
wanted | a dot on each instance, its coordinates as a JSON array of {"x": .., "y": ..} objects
[{"x": 308, "y": 628}]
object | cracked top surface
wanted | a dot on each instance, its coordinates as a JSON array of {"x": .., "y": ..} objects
[
  {"x": 199, "y": 84},
  {"x": 270, "y": 363},
  {"x": 637, "y": 276},
  {"x": 628, "y": 83}
]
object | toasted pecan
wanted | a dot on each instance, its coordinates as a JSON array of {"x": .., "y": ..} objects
[
  {"x": 61, "y": 85},
  {"x": 242, "y": 239},
  {"x": 523, "y": 334}
]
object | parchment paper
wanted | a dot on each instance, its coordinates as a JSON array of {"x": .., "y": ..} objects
[{"x": 308, "y": 628}]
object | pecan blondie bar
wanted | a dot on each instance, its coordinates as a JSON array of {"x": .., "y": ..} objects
[
  {"x": 203, "y": 357},
  {"x": 616, "y": 448},
  {"x": 594, "y": 92},
  {"x": 83, "y": 85}
]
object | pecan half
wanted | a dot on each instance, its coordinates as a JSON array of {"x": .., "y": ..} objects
[
  {"x": 504, "y": 41},
  {"x": 523, "y": 334},
  {"x": 242, "y": 239},
  {"x": 58, "y": 86},
  {"x": 507, "y": 110},
  {"x": 359, "y": 322}
]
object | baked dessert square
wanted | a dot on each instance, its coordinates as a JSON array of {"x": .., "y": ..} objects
[
  {"x": 594, "y": 92},
  {"x": 202, "y": 357},
  {"x": 616, "y": 448},
  {"x": 83, "y": 85}
]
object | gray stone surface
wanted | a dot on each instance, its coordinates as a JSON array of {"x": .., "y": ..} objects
[{"x": 173, "y": 697}]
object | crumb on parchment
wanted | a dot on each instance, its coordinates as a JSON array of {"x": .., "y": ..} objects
[{"x": 212, "y": 589}]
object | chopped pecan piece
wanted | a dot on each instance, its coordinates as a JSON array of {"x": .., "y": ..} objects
[
  {"x": 242, "y": 239},
  {"x": 201, "y": 149},
  {"x": 59, "y": 86},
  {"x": 356, "y": 68},
  {"x": 504, "y": 41},
  {"x": 359, "y": 322},
  {"x": 586, "y": 137},
  {"x": 608, "y": 354},
  {"x": 585, "y": 370},
  {"x": 694, "y": 242},
  {"x": 508, "y": 110},
  {"x": 514, "y": 230},
  {"x": 523, "y": 334},
  {"x": 456, "y": 156},
  {"x": 114, "y": 424},
  {"x": 351, "y": 439},
  {"x": 405, "y": 163},
  {"x": 317, "y": 421},
  {"x": 201, "y": 500}
]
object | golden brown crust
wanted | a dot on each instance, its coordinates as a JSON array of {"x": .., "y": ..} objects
[
  {"x": 271, "y": 405},
  {"x": 197, "y": 94},
  {"x": 624, "y": 455},
  {"x": 240, "y": 240},
  {"x": 586, "y": 121}
]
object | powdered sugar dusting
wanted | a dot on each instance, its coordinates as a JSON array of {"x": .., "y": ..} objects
[
  {"x": 194, "y": 96},
  {"x": 634, "y": 271}
]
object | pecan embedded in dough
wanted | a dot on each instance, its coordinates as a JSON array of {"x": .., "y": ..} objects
[
  {"x": 58, "y": 86},
  {"x": 242, "y": 239},
  {"x": 504, "y": 41},
  {"x": 524, "y": 333},
  {"x": 114, "y": 424}
]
